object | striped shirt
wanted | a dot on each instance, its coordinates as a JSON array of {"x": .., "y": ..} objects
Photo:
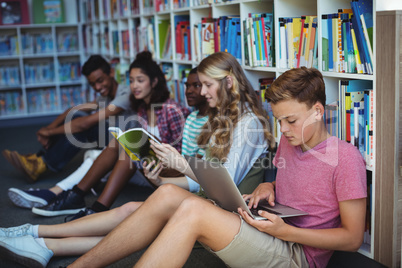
[{"x": 192, "y": 129}]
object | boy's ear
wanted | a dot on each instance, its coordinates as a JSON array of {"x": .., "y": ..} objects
[
  {"x": 229, "y": 81},
  {"x": 318, "y": 111}
]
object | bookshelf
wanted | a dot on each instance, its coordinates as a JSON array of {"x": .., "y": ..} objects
[{"x": 40, "y": 67}]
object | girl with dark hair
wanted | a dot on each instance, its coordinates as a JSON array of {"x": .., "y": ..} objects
[{"x": 155, "y": 112}]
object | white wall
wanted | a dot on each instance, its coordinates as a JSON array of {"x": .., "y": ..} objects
[{"x": 388, "y": 5}]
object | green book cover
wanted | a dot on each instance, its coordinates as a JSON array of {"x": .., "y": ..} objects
[
  {"x": 48, "y": 11},
  {"x": 135, "y": 142}
]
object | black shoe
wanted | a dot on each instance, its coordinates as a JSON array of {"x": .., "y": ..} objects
[
  {"x": 80, "y": 214},
  {"x": 66, "y": 203}
]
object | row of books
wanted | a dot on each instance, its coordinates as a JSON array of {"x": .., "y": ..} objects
[
  {"x": 67, "y": 42},
  {"x": 42, "y": 100},
  {"x": 352, "y": 117},
  {"x": 37, "y": 43},
  {"x": 258, "y": 37},
  {"x": 9, "y": 45},
  {"x": 69, "y": 71},
  {"x": 263, "y": 84},
  {"x": 298, "y": 42},
  {"x": 143, "y": 39},
  {"x": 218, "y": 34},
  {"x": 10, "y": 75},
  {"x": 347, "y": 39},
  {"x": 72, "y": 96},
  {"x": 39, "y": 72},
  {"x": 182, "y": 37},
  {"x": 176, "y": 86},
  {"x": 11, "y": 103}
]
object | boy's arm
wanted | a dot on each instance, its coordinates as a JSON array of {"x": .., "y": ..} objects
[
  {"x": 83, "y": 123},
  {"x": 348, "y": 237}
]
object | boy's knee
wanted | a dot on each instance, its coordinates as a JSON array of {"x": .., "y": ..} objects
[
  {"x": 193, "y": 208},
  {"x": 167, "y": 190},
  {"x": 128, "y": 208}
]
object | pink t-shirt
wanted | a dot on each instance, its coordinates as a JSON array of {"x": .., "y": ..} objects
[{"x": 316, "y": 181}]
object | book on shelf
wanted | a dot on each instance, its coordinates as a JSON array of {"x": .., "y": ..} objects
[
  {"x": 14, "y": 12},
  {"x": 11, "y": 103},
  {"x": 298, "y": 42},
  {"x": 10, "y": 75},
  {"x": 48, "y": 11},
  {"x": 207, "y": 37},
  {"x": 67, "y": 42},
  {"x": 355, "y": 115},
  {"x": 135, "y": 7},
  {"x": 164, "y": 29},
  {"x": 69, "y": 71},
  {"x": 349, "y": 35},
  {"x": 136, "y": 143},
  {"x": 124, "y": 8},
  {"x": 125, "y": 42},
  {"x": 9, "y": 45},
  {"x": 39, "y": 72},
  {"x": 182, "y": 30},
  {"x": 167, "y": 70},
  {"x": 42, "y": 100},
  {"x": 72, "y": 96}
]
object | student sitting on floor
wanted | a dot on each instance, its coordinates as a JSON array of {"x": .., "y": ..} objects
[{"x": 85, "y": 126}]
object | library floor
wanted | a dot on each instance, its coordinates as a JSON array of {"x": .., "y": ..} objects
[{"x": 23, "y": 140}]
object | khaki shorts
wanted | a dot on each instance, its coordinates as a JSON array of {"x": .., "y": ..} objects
[{"x": 252, "y": 248}]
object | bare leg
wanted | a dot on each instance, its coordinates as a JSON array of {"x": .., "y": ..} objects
[
  {"x": 72, "y": 246},
  {"x": 98, "y": 224},
  {"x": 138, "y": 230},
  {"x": 101, "y": 166},
  {"x": 195, "y": 219},
  {"x": 56, "y": 190},
  {"x": 121, "y": 174}
]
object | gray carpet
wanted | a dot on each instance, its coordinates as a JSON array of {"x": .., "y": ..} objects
[{"x": 23, "y": 140}]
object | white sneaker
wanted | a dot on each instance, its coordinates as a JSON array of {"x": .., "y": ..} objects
[
  {"x": 17, "y": 231},
  {"x": 25, "y": 250}
]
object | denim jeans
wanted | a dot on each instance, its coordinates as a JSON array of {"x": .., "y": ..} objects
[{"x": 62, "y": 150}]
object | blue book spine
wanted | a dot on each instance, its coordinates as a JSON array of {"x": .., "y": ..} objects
[
  {"x": 352, "y": 126},
  {"x": 330, "y": 44},
  {"x": 362, "y": 132}
]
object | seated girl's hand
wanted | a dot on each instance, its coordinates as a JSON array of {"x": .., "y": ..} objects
[
  {"x": 153, "y": 175},
  {"x": 263, "y": 191},
  {"x": 169, "y": 156}
]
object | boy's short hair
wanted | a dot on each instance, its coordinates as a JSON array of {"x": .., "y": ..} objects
[
  {"x": 306, "y": 85},
  {"x": 94, "y": 63},
  {"x": 193, "y": 71}
]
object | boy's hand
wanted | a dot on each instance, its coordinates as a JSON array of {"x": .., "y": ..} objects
[
  {"x": 153, "y": 175},
  {"x": 263, "y": 191},
  {"x": 274, "y": 226},
  {"x": 169, "y": 156}
]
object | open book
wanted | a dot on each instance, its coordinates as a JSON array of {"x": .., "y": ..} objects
[{"x": 135, "y": 142}]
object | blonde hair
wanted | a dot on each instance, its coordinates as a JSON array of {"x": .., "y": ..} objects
[{"x": 232, "y": 103}]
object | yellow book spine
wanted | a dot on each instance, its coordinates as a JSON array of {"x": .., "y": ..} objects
[{"x": 357, "y": 54}]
